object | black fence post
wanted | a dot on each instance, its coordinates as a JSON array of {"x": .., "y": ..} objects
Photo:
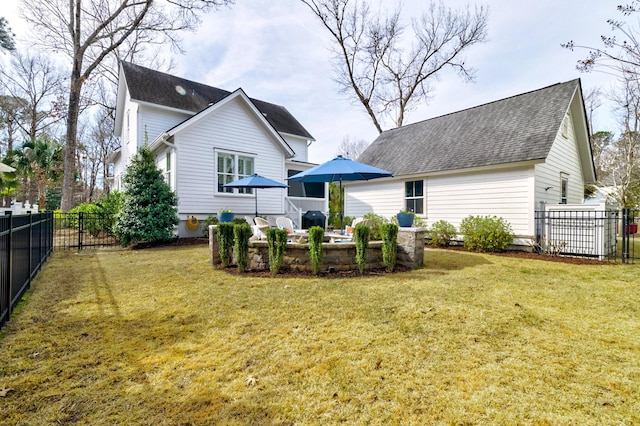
[
  {"x": 80, "y": 229},
  {"x": 625, "y": 235},
  {"x": 10, "y": 264}
]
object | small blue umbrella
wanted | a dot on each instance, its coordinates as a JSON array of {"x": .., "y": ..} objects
[
  {"x": 340, "y": 169},
  {"x": 255, "y": 181}
]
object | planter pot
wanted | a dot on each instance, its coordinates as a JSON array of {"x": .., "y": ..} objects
[
  {"x": 405, "y": 220},
  {"x": 225, "y": 217}
]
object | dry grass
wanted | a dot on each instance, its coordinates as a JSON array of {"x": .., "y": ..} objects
[{"x": 158, "y": 337}]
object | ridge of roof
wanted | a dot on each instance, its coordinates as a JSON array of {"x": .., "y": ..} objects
[
  {"x": 518, "y": 128},
  {"x": 156, "y": 87}
]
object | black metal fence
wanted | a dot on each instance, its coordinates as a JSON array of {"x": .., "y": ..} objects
[
  {"x": 602, "y": 234},
  {"x": 75, "y": 231},
  {"x": 26, "y": 242}
]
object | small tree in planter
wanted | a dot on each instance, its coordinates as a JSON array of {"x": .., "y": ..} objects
[
  {"x": 225, "y": 242},
  {"x": 242, "y": 232},
  {"x": 277, "y": 241},
  {"x": 389, "y": 233},
  {"x": 361, "y": 237},
  {"x": 316, "y": 235}
]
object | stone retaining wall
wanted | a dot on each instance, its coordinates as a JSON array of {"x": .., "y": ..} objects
[{"x": 336, "y": 256}]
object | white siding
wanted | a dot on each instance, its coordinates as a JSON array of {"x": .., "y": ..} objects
[
  {"x": 232, "y": 128},
  {"x": 563, "y": 158},
  {"x": 299, "y": 146},
  {"x": 503, "y": 193},
  {"x": 383, "y": 197},
  {"x": 155, "y": 121}
]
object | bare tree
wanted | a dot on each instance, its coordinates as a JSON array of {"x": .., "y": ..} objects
[
  {"x": 617, "y": 53},
  {"x": 36, "y": 84},
  {"x": 352, "y": 148},
  {"x": 374, "y": 64},
  {"x": 89, "y": 31},
  {"x": 624, "y": 161}
]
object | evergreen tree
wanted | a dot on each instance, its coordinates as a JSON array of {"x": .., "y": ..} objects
[{"x": 149, "y": 211}]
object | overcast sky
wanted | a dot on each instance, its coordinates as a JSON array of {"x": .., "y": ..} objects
[{"x": 277, "y": 51}]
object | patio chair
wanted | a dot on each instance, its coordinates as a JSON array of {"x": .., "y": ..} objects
[
  {"x": 285, "y": 223},
  {"x": 262, "y": 225}
]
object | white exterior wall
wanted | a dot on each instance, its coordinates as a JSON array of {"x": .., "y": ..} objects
[
  {"x": 154, "y": 121},
  {"x": 503, "y": 193},
  {"x": 299, "y": 146},
  {"x": 452, "y": 197},
  {"x": 563, "y": 158},
  {"x": 230, "y": 129}
]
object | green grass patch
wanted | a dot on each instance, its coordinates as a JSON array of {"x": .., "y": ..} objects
[{"x": 158, "y": 336}]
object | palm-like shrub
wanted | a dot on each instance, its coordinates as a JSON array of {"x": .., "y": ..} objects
[
  {"x": 389, "y": 233},
  {"x": 225, "y": 242},
  {"x": 361, "y": 237},
  {"x": 242, "y": 232},
  {"x": 316, "y": 235},
  {"x": 277, "y": 241}
]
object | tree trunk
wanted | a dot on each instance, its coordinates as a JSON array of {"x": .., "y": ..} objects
[{"x": 68, "y": 181}]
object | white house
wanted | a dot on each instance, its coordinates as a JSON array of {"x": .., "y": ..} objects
[
  {"x": 204, "y": 137},
  {"x": 506, "y": 158}
]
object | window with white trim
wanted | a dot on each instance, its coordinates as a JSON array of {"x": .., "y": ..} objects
[
  {"x": 414, "y": 196},
  {"x": 167, "y": 169},
  {"x": 231, "y": 167},
  {"x": 564, "y": 188}
]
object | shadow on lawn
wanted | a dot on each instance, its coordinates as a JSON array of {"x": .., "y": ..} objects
[{"x": 449, "y": 260}]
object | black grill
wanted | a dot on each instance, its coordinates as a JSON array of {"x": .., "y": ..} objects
[{"x": 313, "y": 218}]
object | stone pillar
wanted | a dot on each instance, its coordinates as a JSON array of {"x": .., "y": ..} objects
[
  {"x": 214, "y": 252},
  {"x": 411, "y": 247}
]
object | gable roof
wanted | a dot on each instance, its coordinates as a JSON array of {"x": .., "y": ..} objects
[
  {"x": 242, "y": 96},
  {"x": 516, "y": 129},
  {"x": 159, "y": 88}
]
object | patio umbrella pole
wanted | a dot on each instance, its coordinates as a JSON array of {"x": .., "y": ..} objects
[{"x": 341, "y": 200}]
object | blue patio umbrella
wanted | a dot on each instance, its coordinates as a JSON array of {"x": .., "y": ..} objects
[
  {"x": 340, "y": 169},
  {"x": 255, "y": 181}
]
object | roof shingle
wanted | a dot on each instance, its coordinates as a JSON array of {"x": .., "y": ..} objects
[
  {"x": 515, "y": 129},
  {"x": 159, "y": 88}
]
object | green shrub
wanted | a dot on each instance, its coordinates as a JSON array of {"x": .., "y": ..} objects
[
  {"x": 238, "y": 220},
  {"x": 149, "y": 209},
  {"x": 225, "y": 242},
  {"x": 316, "y": 236},
  {"x": 441, "y": 233},
  {"x": 211, "y": 220},
  {"x": 242, "y": 232},
  {"x": 375, "y": 222},
  {"x": 91, "y": 218},
  {"x": 361, "y": 237},
  {"x": 277, "y": 240},
  {"x": 389, "y": 233},
  {"x": 486, "y": 233}
]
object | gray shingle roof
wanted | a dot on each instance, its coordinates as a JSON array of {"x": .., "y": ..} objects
[
  {"x": 159, "y": 88},
  {"x": 519, "y": 128}
]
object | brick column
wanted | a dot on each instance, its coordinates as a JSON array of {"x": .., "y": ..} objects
[{"x": 411, "y": 247}]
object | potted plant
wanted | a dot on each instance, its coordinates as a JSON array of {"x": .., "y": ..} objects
[
  {"x": 225, "y": 215},
  {"x": 405, "y": 218}
]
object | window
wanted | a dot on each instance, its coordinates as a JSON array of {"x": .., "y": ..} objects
[
  {"x": 564, "y": 187},
  {"x": 307, "y": 189},
  {"x": 231, "y": 167},
  {"x": 414, "y": 196},
  {"x": 167, "y": 169}
]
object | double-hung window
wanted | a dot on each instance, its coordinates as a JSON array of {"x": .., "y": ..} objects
[
  {"x": 231, "y": 167},
  {"x": 167, "y": 170},
  {"x": 414, "y": 196}
]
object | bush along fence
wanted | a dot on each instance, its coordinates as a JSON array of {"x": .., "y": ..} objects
[
  {"x": 26, "y": 242},
  {"x": 278, "y": 255},
  {"x": 79, "y": 230}
]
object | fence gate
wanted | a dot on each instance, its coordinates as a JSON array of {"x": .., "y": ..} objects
[{"x": 83, "y": 230}]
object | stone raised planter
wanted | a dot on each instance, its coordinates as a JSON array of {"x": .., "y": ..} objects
[{"x": 336, "y": 256}]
